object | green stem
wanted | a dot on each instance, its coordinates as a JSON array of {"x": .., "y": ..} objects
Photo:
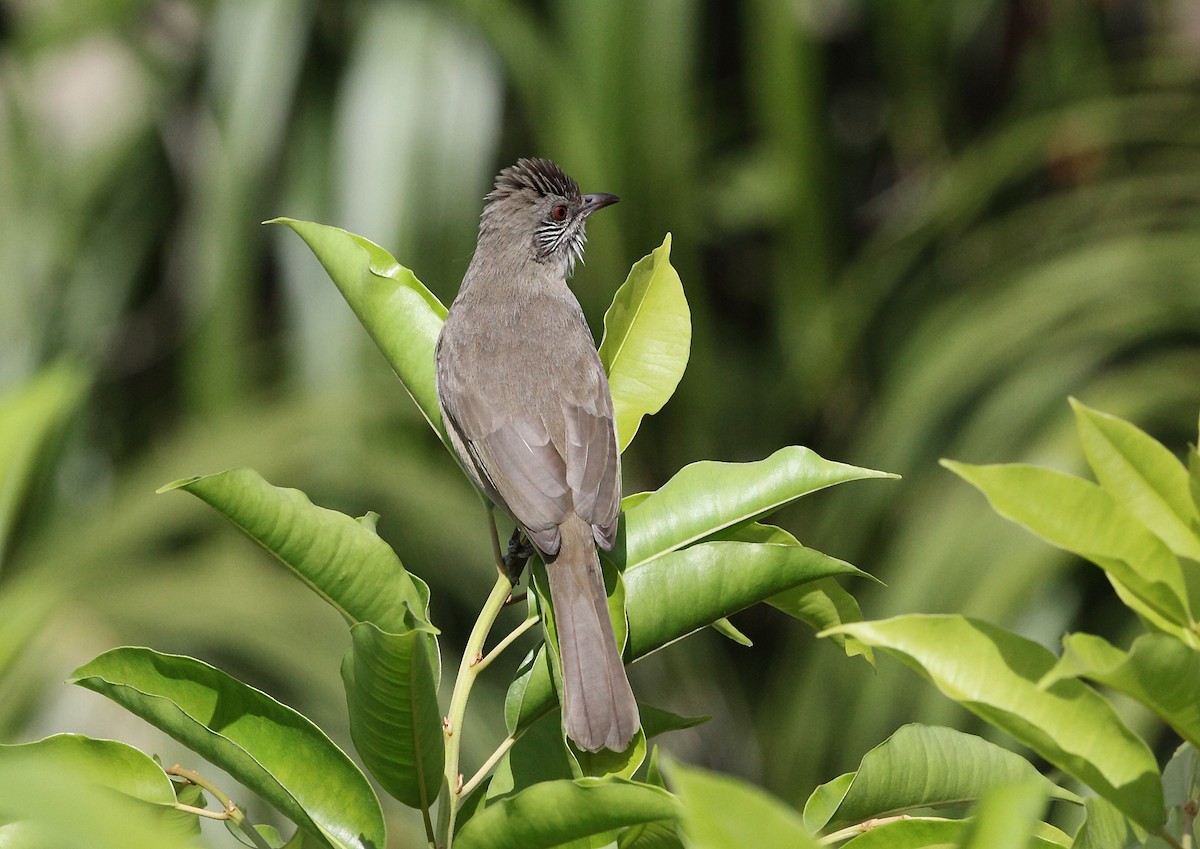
[
  {"x": 488, "y": 765},
  {"x": 468, "y": 670},
  {"x": 230, "y": 812},
  {"x": 869, "y": 825}
]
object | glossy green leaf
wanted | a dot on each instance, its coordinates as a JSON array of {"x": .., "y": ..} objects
[
  {"x": 647, "y": 339},
  {"x": 661, "y": 834},
  {"x": 251, "y": 736},
  {"x": 994, "y": 674},
  {"x": 30, "y": 417},
  {"x": 1006, "y": 817},
  {"x": 344, "y": 561},
  {"x": 1080, "y": 517},
  {"x": 706, "y": 497},
  {"x": 1158, "y": 671},
  {"x": 106, "y": 763},
  {"x": 555, "y": 812},
  {"x": 721, "y": 812},
  {"x": 1143, "y": 475},
  {"x": 672, "y": 596},
  {"x": 921, "y": 766},
  {"x": 391, "y": 692},
  {"x": 821, "y": 604},
  {"x": 400, "y": 314}
]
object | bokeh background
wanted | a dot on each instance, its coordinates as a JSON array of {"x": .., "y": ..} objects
[{"x": 907, "y": 229}]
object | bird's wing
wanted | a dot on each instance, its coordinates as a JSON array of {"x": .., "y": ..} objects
[
  {"x": 516, "y": 457},
  {"x": 593, "y": 463}
]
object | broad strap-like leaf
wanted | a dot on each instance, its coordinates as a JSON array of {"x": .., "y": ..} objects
[
  {"x": 1080, "y": 517},
  {"x": 555, "y": 812},
  {"x": 1006, "y": 817},
  {"x": 647, "y": 340},
  {"x": 1143, "y": 475},
  {"x": 400, "y": 314},
  {"x": 1158, "y": 671},
  {"x": 722, "y": 812},
  {"x": 342, "y": 559},
  {"x": 672, "y": 596},
  {"x": 920, "y": 766},
  {"x": 268, "y": 747},
  {"x": 707, "y": 497},
  {"x": 994, "y": 674},
  {"x": 391, "y": 692}
]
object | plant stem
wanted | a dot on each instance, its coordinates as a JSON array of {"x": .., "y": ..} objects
[
  {"x": 468, "y": 669},
  {"x": 488, "y": 765},
  {"x": 506, "y": 642},
  {"x": 869, "y": 825},
  {"x": 230, "y": 812}
]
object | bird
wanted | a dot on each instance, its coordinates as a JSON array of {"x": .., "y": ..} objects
[{"x": 529, "y": 414}]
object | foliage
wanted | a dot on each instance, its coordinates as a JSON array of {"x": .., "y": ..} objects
[{"x": 908, "y": 230}]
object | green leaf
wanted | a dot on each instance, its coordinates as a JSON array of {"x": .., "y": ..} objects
[
  {"x": 1080, "y": 517},
  {"x": 554, "y": 812},
  {"x": 391, "y": 692},
  {"x": 344, "y": 561},
  {"x": 672, "y": 596},
  {"x": 706, "y": 497},
  {"x": 821, "y": 604},
  {"x": 994, "y": 674},
  {"x": 105, "y": 763},
  {"x": 268, "y": 747},
  {"x": 400, "y": 314},
  {"x": 1006, "y": 817},
  {"x": 30, "y": 418},
  {"x": 720, "y": 812},
  {"x": 1105, "y": 827},
  {"x": 647, "y": 339},
  {"x": 660, "y": 834},
  {"x": 938, "y": 834},
  {"x": 1143, "y": 475},
  {"x": 41, "y": 808},
  {"x": 1158, "y": 671},
  {"x": 921, "y": 766}
]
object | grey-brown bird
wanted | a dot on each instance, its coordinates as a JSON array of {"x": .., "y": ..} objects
[{"x": 528, "y": 409}]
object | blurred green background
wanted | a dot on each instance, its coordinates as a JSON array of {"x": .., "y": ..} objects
[{"x": 908, "y": 229}]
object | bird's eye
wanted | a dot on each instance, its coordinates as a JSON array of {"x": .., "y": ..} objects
[{"x": 559, "y": 213}]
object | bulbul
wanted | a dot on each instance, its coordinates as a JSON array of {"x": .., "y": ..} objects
[{"x": 528, "y": 410}]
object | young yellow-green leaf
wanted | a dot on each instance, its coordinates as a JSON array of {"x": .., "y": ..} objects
[
  {"x": 921, "y": 766},
  {"x": 344, "y": 561},
  {"x": 995, "y": 674},
  {"x": 1080, "y": 517},
  {"x": 647, "y": 339},
  {"x": 106, "y": 763},
  {"x": 721, "y": 812},
  {"x": 1158, "y": 671},
  {"x": 268, "y": 747},
  {"x": 400, "y": 314},
  {"x": 554, "y": 812},
  {"x": 1143, "y": 475},
  {"x": 707, "y": 497},
  {"x": 391, "y": 693}
]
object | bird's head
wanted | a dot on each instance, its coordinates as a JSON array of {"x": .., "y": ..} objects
[{"x": 536, "y": 205}]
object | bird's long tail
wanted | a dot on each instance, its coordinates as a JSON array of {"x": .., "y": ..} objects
[{"x": 599, "y": 710}]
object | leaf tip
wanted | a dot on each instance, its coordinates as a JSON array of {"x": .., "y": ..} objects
[{"x": 182, "y": 483}]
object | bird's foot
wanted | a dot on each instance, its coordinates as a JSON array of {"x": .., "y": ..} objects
[{"x": 516, "y": 556}]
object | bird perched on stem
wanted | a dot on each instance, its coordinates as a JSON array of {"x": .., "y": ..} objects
[{"x": 528, "y": 410}]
